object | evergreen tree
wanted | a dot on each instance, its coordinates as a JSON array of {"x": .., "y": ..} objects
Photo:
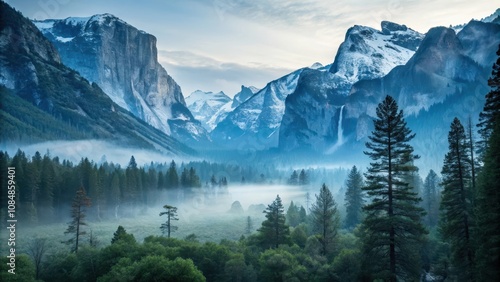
[
  {"x": 194, "y": 180},
  {"x": 490, "y": 114},
  {"x": 457, "y": 223},
  {"x": 302, "y": 214},
  {"x": 353, "y": 198},
  {"x": 80, "y": 202},
  {"x": 133, "y": 183},
  {"x": 274, "y": 231},
  {"x": 122, "y": 235},
  {"x": 185, "y": 183},
  {"x": 294, "y": 178},
  {"x": 171, "y": 213},
  {"x": 172, "y": 178},
  {"x": 391, "y": 231},
  {"x": 431, "y": 199},
  {"x": 488, "y": 188},
  {"x": 303, "y": 179},
  {"x": 488, "y": 211},
  {"x": 325, "y": 219},
  {"x": 47, "y": 186},
  {"x": 293, "y": 215}
]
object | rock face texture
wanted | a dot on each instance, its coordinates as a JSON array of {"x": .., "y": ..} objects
[
  {"x": 44, "y": 100},
  {"x": 254, "y": 124},
  {"x": 122, "y": 60},
  {"x": 206, "y": 106},
  {"x": 312, "y": 111}
]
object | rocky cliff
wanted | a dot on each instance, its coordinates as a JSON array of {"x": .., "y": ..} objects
[
  {"x": 42, "y": 99},
  {"x": 312, "y": 111},
  {"x": 122, "y": 60}
]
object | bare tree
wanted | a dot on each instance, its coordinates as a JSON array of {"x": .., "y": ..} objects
[{"x": 37, "y": 249}]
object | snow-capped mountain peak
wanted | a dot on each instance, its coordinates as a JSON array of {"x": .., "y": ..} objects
[
  {"x": 368, "y": 53},
  {"x": 205, "y": 105}
]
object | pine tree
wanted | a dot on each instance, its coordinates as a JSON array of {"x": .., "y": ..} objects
[
  {"x": 80, "y": 202},
  {"x": 391, "y": 231},
  {"x": 294, "y": 178},
  {"x": 122, "y": 235},
  {"x": 303, "y": 179},
  {"x": 274, "y": 231},
  {"x": 133, "y": 184},
  {"x": 491, "y": 111},
  {"x": 353, "y": 198},
  {"x": 457, "y": 224},
  {"x": 193, "y": 179},
  {"x": 488, "y": 211},
  {"x": 488, "y": 186},
  {"x": 172, "y": 178},
  {"x": 171, "y": 213},
  {"x": 431, "y": 199},
  {"x": 46, "y": 191},
  {"x": 185, "y": 178},
  {"x": 325, "y": 219},
  {"x": 292, "y": 215}
]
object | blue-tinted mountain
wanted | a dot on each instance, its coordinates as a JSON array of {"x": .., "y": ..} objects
[
  {"x": 312, "y": 111},
  {"x": 43, "y": 100},
  {"x": 122, "y": 60}
]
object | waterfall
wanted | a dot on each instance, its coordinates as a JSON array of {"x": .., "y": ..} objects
[
  {"x": 340, "y": 134},
  {"x": 340, "y": 131}
]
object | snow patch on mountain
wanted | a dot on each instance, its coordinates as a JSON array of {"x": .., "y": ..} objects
[
  {"x": 256, "y": 121},
  {"x": 367, "y": 53},
  {"x": 206, "y": 105}
]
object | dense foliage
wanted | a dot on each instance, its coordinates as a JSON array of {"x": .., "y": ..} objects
[{"x": 392, "y": 229}]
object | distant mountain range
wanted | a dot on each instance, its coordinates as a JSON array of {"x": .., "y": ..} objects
[
  {"x": 210, "y": 108},
  {"x": 98, "y": 77}
]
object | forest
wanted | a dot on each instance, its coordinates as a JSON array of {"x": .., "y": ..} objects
[{"x": 389, "y": 224}]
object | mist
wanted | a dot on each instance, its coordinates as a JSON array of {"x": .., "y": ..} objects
[{"x": 95, "y": 150}]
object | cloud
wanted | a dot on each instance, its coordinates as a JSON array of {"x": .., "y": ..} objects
[{"x": 193, "y": 71}]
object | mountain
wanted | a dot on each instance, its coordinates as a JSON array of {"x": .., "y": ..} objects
[
  {"x": 313, "y": 110},
  {"x": 244, "y": 94},
  {"x": 446, "y": 78},
  {"x": 123, "y": 61},
  {"x": 43, "y": 100},
  {"x": 254, "y": 124},
  {"x": 204, "y": 106}
]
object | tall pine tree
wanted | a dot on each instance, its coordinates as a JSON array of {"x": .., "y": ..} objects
[
  {"x": 325, "y": 219},
  {"x": 80, "y": 202},
  {"x": 491, "y": 111},
  {"x": 353, "y": 198},
  {"x": 171, "y": 213},
  {"x": 457, "y": 223},
  {"x": 488, "y": 187},
  {"x": 392, "y": 232}
]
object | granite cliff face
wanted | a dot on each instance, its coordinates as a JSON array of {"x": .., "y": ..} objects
[
  {"x": 44, "y": 100},
  {"x": 255, "y": 123},
  {"x": 313, "y": 111},
  {"x": 122, "y": 60}
]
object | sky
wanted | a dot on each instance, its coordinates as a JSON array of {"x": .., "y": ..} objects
[{"x": 219, "y": 45}]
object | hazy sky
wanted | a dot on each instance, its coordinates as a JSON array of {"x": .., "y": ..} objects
[{"x": 216, "y": 45}]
